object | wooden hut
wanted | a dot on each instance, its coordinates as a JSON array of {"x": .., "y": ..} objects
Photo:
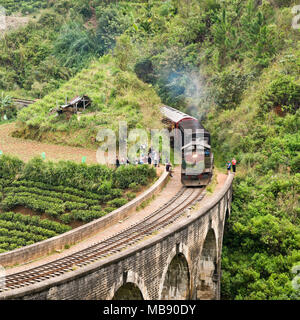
[{"x": 78, "y": 104}]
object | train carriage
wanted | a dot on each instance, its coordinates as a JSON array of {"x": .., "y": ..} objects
[
  {"x": 197, "y": 158},
  {"x": 182, "y": 121}
]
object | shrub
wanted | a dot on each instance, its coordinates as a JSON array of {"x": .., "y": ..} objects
[
  {"x": 130, "y": 195},
  {"x": 109, "y": 209},
  {"x": 75, "y": 205},
  {"x": 283, "y": 92},
  {"x": 54, "y": 189},
  {"x": 133, "y": 186},
  {"x": 117, "y": 202},
  {"x": 96, "y": 208},
  {"x": 229, "y": 87},
  {"x": 10, "y": 166},
  {"x": 66, "y": 218},
  {"x": 295, "y": 164},
  {"x": 66, "y": 173},
  {"x": 125, "y": 175},
  {"x": 7, "y": 108},
  {"x": 17, "y": 230}
]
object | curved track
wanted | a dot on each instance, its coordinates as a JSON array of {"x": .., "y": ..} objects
[{"x": 158, "y": 220}]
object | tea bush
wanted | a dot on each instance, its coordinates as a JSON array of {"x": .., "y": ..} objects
[
  {"x": 10, "y": 166},
  {"x": 17, "y": 230}
]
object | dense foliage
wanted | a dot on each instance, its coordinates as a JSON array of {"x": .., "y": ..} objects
[
  {"x": 235, "y": 64},
  {"x": 25, "y": 7},
  {"x": 8, "y": 110}
]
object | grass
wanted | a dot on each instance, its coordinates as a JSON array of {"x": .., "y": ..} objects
[
  {"x": 145, "y": 203},
  {"x": 211, "y": 187}
]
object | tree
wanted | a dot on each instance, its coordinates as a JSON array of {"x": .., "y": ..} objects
[
  {"x": 111, "y": 24},
  {"x": 74, "y": 46},
  {"x": 123, "y": 52},
  {"x": 282, "y": 91}
]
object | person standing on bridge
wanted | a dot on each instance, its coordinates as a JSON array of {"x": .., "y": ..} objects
[
  {"x": 233, "y": 161},
  {"x": 169, "y": 168},
  {"x": 228, "y": 167},
  {"x": 149, "y": 159},
  {"x": 117, "y": 162}
]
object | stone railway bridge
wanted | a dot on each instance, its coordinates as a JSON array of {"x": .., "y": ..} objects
[{"x": 181, "y": 262}]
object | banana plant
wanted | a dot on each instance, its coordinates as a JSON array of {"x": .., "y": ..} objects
[{"x": 5, "y": 102}]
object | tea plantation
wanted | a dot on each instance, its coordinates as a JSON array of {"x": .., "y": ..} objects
[{"x": 63, "y": 193}]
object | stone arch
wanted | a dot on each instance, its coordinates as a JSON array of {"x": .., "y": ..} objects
[
  {"x": 225, "y": 226},
  {"x": 176, "y": 279},
  {"x": 128, "y": 291},
  {"x": 227, "y": 214},
  {"x": 129, "y": 282},
  {"x": 208, "y": 277}
]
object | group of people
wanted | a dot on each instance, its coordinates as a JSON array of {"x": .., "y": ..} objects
[
  {"x": 122, "y": 162},
  {"x": 153, "y": 157},
  {"x": 232, "y": 164}
]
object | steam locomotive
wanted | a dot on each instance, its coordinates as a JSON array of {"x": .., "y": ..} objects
[{"x": 197, "y": 157}]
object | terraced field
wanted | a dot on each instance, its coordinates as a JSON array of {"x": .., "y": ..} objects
[
  {"x": 42, "y": 199},
  {"x": 55, "y": 201},
  {"x": 17, "y": 230}
]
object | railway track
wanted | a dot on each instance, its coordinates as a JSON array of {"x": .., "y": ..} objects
[
  {"x": 23, "y": 102},
  {"x": 159, "y": 219}
]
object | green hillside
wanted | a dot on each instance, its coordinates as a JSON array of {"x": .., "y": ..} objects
[
  {"x": 116, "y": 96},
  {"x": 234, "y": 64}
]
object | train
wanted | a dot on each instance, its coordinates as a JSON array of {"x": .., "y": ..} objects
[{"x": 197, "y": 157}]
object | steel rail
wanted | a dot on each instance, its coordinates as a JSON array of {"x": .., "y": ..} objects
[{"x": 156, "y": 221}]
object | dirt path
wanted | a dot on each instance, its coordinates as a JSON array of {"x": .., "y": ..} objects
[{"x": 27, "y": 149}]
